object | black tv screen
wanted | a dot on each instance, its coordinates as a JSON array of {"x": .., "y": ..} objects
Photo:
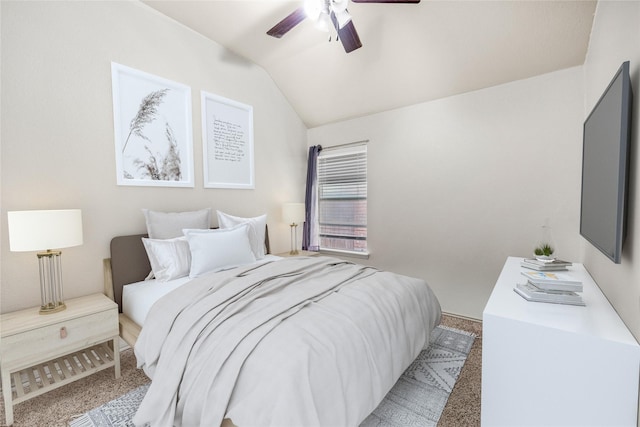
[{"x": 605, "y": 165}]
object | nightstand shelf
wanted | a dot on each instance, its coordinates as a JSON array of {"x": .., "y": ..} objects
[
  {"x": 43, "y": 377},
  {"x": 42, "y": 352}
]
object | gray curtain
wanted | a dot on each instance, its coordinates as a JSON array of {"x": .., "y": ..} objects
[{"x": 311, "y": 228}]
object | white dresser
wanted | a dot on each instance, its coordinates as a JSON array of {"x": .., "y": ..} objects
[{"x": 556, "y": 365}]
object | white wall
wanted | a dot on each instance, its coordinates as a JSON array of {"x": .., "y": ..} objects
[
  {"x": 615, "y": 38},
  {"x": 57, "y": 129},
  {"x": 457, "y": 185}
]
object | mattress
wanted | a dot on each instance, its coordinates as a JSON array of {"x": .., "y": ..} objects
[{"x": 137, "y": 298}]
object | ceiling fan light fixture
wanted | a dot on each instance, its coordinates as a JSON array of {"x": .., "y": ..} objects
[
  {"x": 328, "y": 15},
  {"x": 324, "y": 22},
  {"x": 313, "y": 9}
]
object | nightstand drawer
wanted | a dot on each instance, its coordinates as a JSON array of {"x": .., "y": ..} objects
[{"x": 59, "y": 338}]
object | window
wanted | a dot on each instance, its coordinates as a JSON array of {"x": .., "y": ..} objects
[{"x": 342, "y": 198}]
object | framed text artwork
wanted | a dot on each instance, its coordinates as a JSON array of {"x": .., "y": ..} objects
[
  {"x": 227, "y": 139},
  {"x": 153, "y": 135}
]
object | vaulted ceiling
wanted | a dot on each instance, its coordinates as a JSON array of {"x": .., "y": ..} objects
[{"x": 411, "y": 52}]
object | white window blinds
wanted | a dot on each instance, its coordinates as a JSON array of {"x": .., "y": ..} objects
[{"x": 342, "y": 198}]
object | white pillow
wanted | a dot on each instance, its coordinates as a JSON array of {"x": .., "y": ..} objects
[
  {"x": 169, "y": 258},
  {"x": 167, "y": 225},
  {"x": 215, "y": 250},
  {"x": 257, "y": 228}
]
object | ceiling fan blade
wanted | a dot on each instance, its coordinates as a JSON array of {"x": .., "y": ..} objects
[
  {"x": 284, "y": 26},
  {"x": 347, "y": 35},
  {"x": 386, "y": 1}
]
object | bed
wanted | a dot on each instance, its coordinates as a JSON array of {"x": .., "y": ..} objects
[{"x": 281, "y": 341}]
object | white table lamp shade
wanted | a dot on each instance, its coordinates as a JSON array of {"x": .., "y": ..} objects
[
  {"x": 293, "y": 213},
  {"x": 46, "y": 232},
  {"x": 44, "y": 229}
]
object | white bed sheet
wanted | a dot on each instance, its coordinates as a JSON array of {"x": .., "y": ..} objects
[{"x": 137, "y": 298}]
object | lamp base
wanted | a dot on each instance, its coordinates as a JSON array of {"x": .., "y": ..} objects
[
  {"x": 294, "y": 239},
  {"x": 52, "y": 308},
  {"x": 52, "y": 300}
]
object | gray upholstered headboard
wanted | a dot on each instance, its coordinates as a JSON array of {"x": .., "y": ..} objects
[{"x": 129, "y": 262}]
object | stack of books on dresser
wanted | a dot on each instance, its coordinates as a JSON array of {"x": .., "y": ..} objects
[
  {"x": 545, "y": 265},
  {"x": 550, "y": 286}
]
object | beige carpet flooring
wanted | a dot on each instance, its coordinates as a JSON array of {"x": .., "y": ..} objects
[
  {"x": 463, "y": 406},
  {"x": 58, "y": 407}
]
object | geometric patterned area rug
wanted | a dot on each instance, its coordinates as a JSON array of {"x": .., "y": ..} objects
[
  {"x": 117, "y": 413},
  {"x": 422, "y": 391},
  {"x": 417, "y": 399}
]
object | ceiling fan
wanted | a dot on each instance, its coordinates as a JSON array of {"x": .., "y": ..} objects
[{"x": 328, "y": 14}]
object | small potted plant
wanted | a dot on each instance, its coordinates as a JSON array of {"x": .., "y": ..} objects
[{"x": 544, "y": 252}]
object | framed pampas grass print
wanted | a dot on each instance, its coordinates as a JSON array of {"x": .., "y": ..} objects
[{"x": 152, "y": 124}]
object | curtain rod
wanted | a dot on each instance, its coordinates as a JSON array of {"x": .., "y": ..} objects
[{"x": 350, "y": 144}]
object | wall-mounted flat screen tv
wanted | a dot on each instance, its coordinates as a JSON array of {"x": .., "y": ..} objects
[{"x": 605, "y": 166}]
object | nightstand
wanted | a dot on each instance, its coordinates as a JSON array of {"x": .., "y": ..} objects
[
  {"x": 43, "y": 352},
  {"x": 300, "y": 253}
]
